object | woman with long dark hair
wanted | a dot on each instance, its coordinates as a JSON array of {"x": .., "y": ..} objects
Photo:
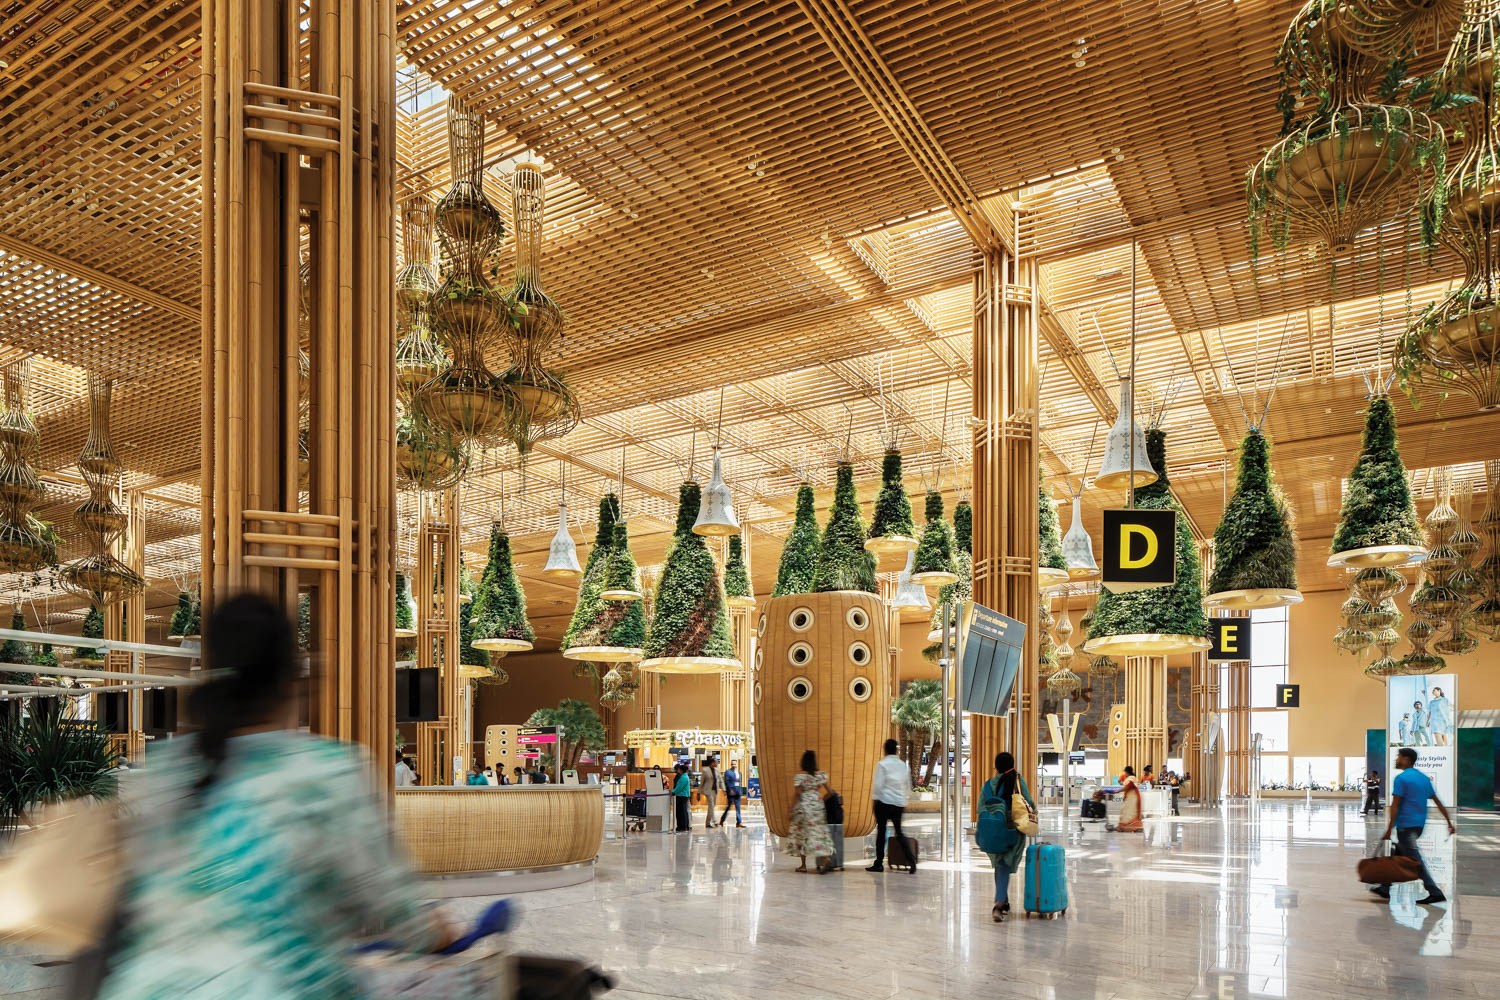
[
  {"x": 809, "y": 823},
  {"x": 996, "y": 799},
  {"x": 258, "y": 854}
]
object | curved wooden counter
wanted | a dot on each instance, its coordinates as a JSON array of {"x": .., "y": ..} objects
[{"x": 450, "y": 830}]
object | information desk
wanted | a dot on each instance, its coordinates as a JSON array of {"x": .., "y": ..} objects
[{"x": 448, "y": 830}]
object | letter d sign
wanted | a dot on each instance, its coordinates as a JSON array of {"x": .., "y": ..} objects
[{"x": 1140, "y": 549}]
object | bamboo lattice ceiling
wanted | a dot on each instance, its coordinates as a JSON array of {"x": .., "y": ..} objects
[{"x": 773, "y": 199}]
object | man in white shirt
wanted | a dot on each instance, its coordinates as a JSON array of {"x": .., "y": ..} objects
[
  {"x": 404, "y": 775},
  {"x": 891, "y": 787}
]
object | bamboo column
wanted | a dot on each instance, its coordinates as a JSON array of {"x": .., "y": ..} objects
[
  {"x": 1236, "y": 729},
  {"x": 298, "y": 152},
  {"x": 734, "y": 685},
  {"x": 436, "y": 595},
  {"x": 1146, "y": 712},
  {"x": 1205, "y": 699},
  {"x": 1005, "y": 519},
  {"x": 127, "y": 620}
]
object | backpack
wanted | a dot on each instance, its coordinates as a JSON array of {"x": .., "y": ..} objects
[{"x": 993, "y": 833}]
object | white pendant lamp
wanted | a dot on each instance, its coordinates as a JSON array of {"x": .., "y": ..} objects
[
  {"x": 1078, "y": 547},
  {"x": 562, "y": 553},
  {"x": 910, "y": 598},
  {"x": 716, "y": 514},
  {"x": 1121, "y": 469}
]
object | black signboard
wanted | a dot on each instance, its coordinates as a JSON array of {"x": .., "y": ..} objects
[
  {"x": 1230, "y": 638},
  {"x": 1140, "y": 549},
  {"x": 1288, "y": 696},
  {"x": 417, "y": 695}
]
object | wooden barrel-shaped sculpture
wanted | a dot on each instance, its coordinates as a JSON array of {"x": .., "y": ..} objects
[{"x": 822, "y": 683}]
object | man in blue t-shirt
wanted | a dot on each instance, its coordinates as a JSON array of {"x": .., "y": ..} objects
[{"x": 1409, "y": 794}]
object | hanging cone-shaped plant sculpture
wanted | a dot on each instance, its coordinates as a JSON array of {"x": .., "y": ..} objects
[
  {"x": 689, "y": 630},
  {"x": 621, "y": 577},
  {"x": 893, "y": 528},
  {"x": 799, "y": 556},
  {"x": 181, "y": 617},
  {"x": 1052, "y": 566},
  {"x": 1378, "y": 522},
  {"x": 406, "y": 621},
  {"x": 601, "y": 630},
  {"x": 935, "y": 565},
  {"x": 963, "y": 527},
  {"x": 1160, "y": 620},
  {"x": 499, "y": 607},
  {"x": 737, "y": 576},
  {"x": 1255, "y": 552},
  {"x": 14, "y": 650},
  {"x": 843, "y": 563},
  {"x": 468, "y": 655},
  {"x": 93, "y": 628}
]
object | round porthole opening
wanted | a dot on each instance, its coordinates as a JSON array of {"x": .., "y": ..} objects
[
  {"x": 800, "y": 620},
  {"x": 858, "y": 619},
  {"x": 859, "y": 654},
  {"x": 759, "y": 656},
  {"x": 799, "y": 689},
  {"x": 860, "y": 689},
  {"x": 757, "y": 692},
  {"x": 799, "y": 654},
  {"x": 760, "y": 626}
]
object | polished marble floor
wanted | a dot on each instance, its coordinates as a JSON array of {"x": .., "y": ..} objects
[{"x": 1237, "y": 903}]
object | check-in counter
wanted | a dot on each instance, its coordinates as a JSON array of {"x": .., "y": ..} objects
[{"x": 449, "y": 830}]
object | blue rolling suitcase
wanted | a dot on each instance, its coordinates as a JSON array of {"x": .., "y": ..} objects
[{"x": 1046, "y": 880}]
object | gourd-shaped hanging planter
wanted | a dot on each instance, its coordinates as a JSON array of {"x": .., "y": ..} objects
[
  {"x": 892, "y": 529},
  {"x": 499, "y": 608},
  {"x": 1378, "y": 520},
  {"x": 1052, "y": 566},
  {"x": 1255, "y": 551},
  {"x": 737, "y": 576},
  {"x": 606, "y": 631},
  {"x": 934, "y": 565},
  {"x": 1159, "y": 621}
]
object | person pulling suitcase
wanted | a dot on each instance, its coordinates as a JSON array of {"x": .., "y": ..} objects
[
  {"x": 890, "y": 788},
  {"x": 1007, "y": 814}
]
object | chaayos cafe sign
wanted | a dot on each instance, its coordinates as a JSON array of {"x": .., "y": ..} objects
[{"x": 700, "y": 738}]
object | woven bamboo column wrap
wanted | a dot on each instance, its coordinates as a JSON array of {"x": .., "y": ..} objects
[
  {"x": 1005, "y": 514},
  {"x": 835, "y": 644},
  {"x": 734, "y": 685},
  {"x": 1205, "y": 699},
  {"x": 1237, "y": 728},
  {"x": 1146, "y": 712},
  {"x": 447, "y": 831},
  {"x": 282, "y": 82},
  {"x": 435, "y": 589}
]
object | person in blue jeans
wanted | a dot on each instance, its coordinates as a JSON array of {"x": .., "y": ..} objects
[
  {"x": 995, "y": 798},
  {"x": 1409, "y": 794},
  {"x": 732, "y": 793}
]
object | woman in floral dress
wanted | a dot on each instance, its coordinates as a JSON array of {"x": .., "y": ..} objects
[{"x": 809, "y": 835}]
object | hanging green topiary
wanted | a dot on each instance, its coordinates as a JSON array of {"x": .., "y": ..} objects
[
  {"x": 1378, "y": 507},
  {"x": 1174, "y": 610},
  {"x": 597, "y": 622},
  {"x": 93, "y": 628},
  {"x": 736, "y": 575},
  {"x": 954, "y": 597},
  {"x": 499, "y": 607},
  {"x": 690, "y": 618},
  {"x": 1254, "y": 548},
  {"x": 195, "y": 620},
  {"x": 405, "y": 619},
  {"x": 467, "y": 654},
  {"x": 1049, "y": 541},
  {"x": 45, "y": 657},
  {"x": 935, "y": 551},
  {"x": 963, "y": 527},
  {"x": 620, "y": 577},
  {"x": 14, "y": 650},
  {"x": 182, "y": 616},
  {"x": 843, "y": 563},
  {"x": 893, "y": 517},
  {"x": 799, "y": 556}
]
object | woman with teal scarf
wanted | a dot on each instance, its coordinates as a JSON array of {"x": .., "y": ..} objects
[{"x": 997, "y": 835}]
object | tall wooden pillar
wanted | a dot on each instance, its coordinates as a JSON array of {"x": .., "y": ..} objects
[
  {"x": 1005, "y": 464},
  {"x": 1236, "y": 728},
  {"x": 435, "y": 590},
  {"x": 298, "y": 156},
  {"x": 1205, "y": 699},
  {"x": 127, "y": 620},
  {"x": 1146, "y": 712}
]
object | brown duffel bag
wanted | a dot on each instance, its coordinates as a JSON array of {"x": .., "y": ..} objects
[{"x": 1387, "y": 869}]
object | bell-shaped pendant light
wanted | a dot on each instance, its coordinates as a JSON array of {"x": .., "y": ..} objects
[
  {"x": 1078, "y": 547},
  {"x": 716, "y": 516},
  {"x": 1115, "y": 473},
  {"x": 910, "y": 598},
  {"x": 562, "y": 553}
]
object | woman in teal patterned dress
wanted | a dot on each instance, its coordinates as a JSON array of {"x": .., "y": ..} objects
[{"x": 258, "y": 855}]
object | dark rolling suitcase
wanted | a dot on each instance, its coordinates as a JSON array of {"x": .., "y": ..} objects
[
  {"x": 539, "y": 978},
  {"x": 901, "y": 852}
]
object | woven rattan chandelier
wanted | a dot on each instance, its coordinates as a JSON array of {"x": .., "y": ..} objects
[
  {"x": 98, "y": 575},
  {"x": 26, "y": 544}
]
